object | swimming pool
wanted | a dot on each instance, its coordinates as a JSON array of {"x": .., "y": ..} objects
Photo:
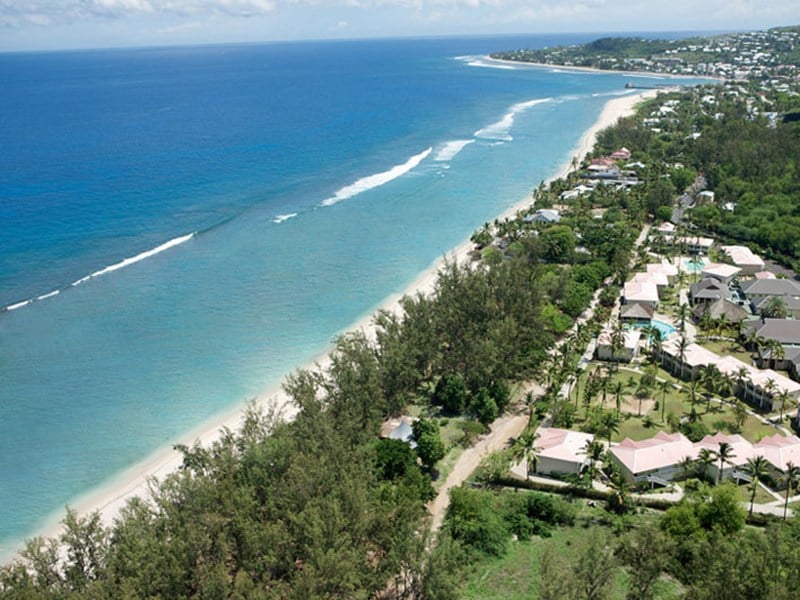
[
  {"x": 694, "y": 264},
  {"x": 665, "y": 329}
]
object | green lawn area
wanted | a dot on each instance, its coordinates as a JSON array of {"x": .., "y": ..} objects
[
  {"x": 514, "y": 576},
  {"x": 727, "y": 348},
  {"x": 719, "y": 418},
  {"x": 762, "y": 496}
]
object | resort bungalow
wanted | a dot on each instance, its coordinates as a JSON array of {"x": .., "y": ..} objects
[
  {"x": 779, "y": 450},
  {"x": 667, "y": 268},
  {"x": 757, "y": 290},
  {"x": 627, "y": 350},
  {"x": 721, "y": 272},
  {"x": 660, "y": 279},
  {"x": 685, "y": 364},
  {"x": 707, "y": 291},
  {"x": 721, "y": 309},
  {"x": 741, "y": 451},
  {"x": 640, "y": 293},
  {"x": 561, "y": 451},
  {"x": 743, "y": 257},
  {"x": 655, "y": 459},
  {"x": 636, "y": 313},
  {"x": 784, "y": 331},
  {"x": 546, "y": 215}
]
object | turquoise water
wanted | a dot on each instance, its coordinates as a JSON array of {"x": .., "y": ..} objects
[
  {"x": 694, "y": 265},
  {"x": 212, "y": 217},
  {"x": 664, "y": 329}
]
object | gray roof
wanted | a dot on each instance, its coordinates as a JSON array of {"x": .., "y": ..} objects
[
  {"x": 710, "y": 289},
  {"x": 786, "y": 331},
  {"x": 732, "y": 312},
  {"x": 771, "y": 287},
  {"x": 546, "y": 215},
  {"x": 403, "y": 432},
  {"x": 636, "y": 310},
  {"x": 790, "y": 302}
]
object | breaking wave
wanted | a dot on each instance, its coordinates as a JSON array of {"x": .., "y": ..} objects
[
  {"x": 377, "y": 180},
  {"x": 501, "y": 130}
]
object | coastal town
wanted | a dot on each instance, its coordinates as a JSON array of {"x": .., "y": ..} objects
[
  {"x": 770, "y": 55},
  {"x": 597, "y": 397}
]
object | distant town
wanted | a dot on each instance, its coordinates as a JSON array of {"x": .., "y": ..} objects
[{"x": 772, "y": 54}]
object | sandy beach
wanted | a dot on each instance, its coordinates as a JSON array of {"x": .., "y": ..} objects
[
  {"x": 647, "y": 74},
  {"x": 111, "y": 497}
]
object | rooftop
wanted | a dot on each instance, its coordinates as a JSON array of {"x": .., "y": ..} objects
[
  {"x": 562, "y": 444},
  {"x": 662, "y": 450}
]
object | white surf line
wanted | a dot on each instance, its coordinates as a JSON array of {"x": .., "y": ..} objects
[{"x": 372, "y": 181}]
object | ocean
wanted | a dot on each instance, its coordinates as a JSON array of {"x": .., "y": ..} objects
[{"x": 181, "y": 227}]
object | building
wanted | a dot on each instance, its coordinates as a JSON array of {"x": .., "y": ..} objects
[
  {"x": 561, "y": 451},
  {"x": 741, "y": 450},
  {"x": 657, "y": 458},
  {"x": 627, "y": 350},
  {"x": 659, "y": 278},
  {"x": 546, "y": 215},
  {"x": 758, "y": 290},
  {"x": 636, "y": 312},
  {"x": 720, "y": 309},
  {"x": 708, "y": 291},
  {"x": 779, "y": 450},
  {"x": 641, "y": 293},
  {"x": 743, "y": 257},
  {"x": 721, "y": 272},
  {"x": 667, "y": 268},
  {"x": 686, "y": 363}
]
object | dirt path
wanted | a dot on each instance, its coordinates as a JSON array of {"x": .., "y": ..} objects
[{"x": 503, "y": 431}]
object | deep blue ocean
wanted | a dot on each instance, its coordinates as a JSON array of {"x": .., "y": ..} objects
[{"x": 211, "y": 217}]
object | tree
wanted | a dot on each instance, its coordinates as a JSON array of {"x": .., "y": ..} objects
[
  {"x": 609, "y": 422},
  {"x": 617, "y": 389},
  {"x": 646, "y": 551},
  {"x": 525, "y": 448},
  {"x": 594, "y": 568},
  {"x": 757, "y": 468},
  {"x": 484, "y": 407},
  {"x": 775, "y": 308},
  {"x": 705, "y": 459},
  {"x": 451, "y": 394},
  {"x": 739, "y": 414},
  {"x": 558, "y": 244},
  {"x": 791, "y": 476},
  {"x": 430, "y": 447},
  {"x": 724, "y": 454},
  {"x": 783, "y": 398},
  {"x": 664, "y": 386}
]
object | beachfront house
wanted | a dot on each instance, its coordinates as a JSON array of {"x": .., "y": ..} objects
[
  {"x": 546, "y": 215},
  {"x": 656, "y": 459},
  {"x": 561, "y": 451}
]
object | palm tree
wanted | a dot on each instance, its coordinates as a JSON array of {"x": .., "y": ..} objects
[
  {"x": 686, "y": 464},
  {"x": 692, "y": 392},
  {"x": 783, "y": 399},
  {"x": 791, "y": 476},
  {"x": 705, "y": 459},
  {"x": 609, "y": 424},
  {"x": 724, "y": 454},
  {"x": 683, "y": 311},
  {"x": 757, "y": 468},
  {"x": 593, "y": 450},
  {"x": 710, "y": 378},
  {"x": 769, "y": 390},
  {"x": 617, "y": 390},
  {"x": 776, "y": 352},
  {"x": 683, "y": 343},
  {"x": 742, "y": 375},
  {"x": 664, "y": 386},
  {"x": 524, "y": 448}
]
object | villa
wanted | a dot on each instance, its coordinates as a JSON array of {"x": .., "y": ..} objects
[
  {"x": 743, "y": 257},
  {"x": 640, "y": 293},
  {"x": 708, "y": 291},
  {"x": 561, "y": 451},
  {"x": 757, "y": 290},
  {"x": 626, "y": 352},
  {"x": 721, "y": 272},
  {"x": 741, "y": 451},
  {"x": 780, "y": 450},
  {"x": 657, "y": 458},
  {"x": 719, "y": 309}
]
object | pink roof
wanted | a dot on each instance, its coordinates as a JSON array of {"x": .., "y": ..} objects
[
  {"x": 765, "y": 275},
  {"x": 660, "y": 451},
  {"x": 780, "y": 450},
  {"x": 640, "y": 291},
  {"x": 742, "y": 449},
  {"x": 668, "y": 269},
  {"x": 720, "y": 270},
  {"x": 694, "y": 355},
  {"x": 562, "y": 444},
  {"x": 658, "y": 277}
]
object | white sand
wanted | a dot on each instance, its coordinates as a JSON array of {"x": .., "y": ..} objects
[{"x": 110, "y": 498}]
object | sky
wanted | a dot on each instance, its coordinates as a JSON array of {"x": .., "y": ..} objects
[{"x": 70, "y": 24}]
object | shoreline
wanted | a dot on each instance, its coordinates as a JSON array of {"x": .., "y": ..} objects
[
  {"x": 110, "y": 497},
  {"x": 594, "y": 70}
]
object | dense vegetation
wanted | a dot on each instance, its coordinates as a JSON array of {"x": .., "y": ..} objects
[{"x": 699, "y": 549}]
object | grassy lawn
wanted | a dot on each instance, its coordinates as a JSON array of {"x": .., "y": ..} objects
[
  {"x": 725, "y": 348},
  {"x": 444, "y": 466},
  {"x": 719, "y": 418},
  {"x": 762, "y": 496},
  {"x": 514, "y": 576}
]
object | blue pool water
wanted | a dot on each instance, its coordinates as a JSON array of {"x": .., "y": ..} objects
[
  {"x": 694, "y": 265},
  {"x": 664, "y": 329}
]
